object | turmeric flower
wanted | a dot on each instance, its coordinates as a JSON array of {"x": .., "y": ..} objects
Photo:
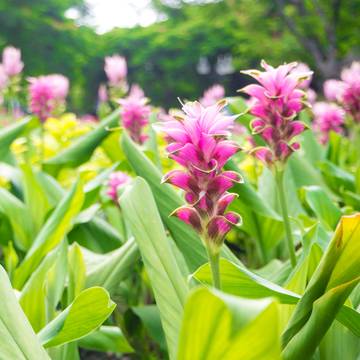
[
  {"x": 278, "y": 100},
  {"x": 135, "y": 116},
  {"x": 212, "y": 95},
  {"x": 47, "y": 93},
  {"x": 117, "y": 180},
  {"x": 198, "y": 141},
  {"x": 328, "y": 117},
  {"x": 115, "y": 69},
  {"x": 351, "y": 92},
  {"x": 11, "y": 60}
]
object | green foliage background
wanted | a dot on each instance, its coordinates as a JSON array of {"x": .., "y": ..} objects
[{"x": 163, "y": 57}]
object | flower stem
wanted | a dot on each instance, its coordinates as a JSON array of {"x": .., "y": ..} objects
[
  {"x": 214, "y": 265},
  {"x": 279, "y": 177}
]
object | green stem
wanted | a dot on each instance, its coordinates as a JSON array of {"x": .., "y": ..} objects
[
  {"x": 279, "y": 177},
  {"x": 214, "y": 258}
]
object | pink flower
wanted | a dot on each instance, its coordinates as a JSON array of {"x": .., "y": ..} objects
[
  {"x": 102, "y": 93},
  {"x": 351, "y": 93},
  {"x": 311, "y": 96},
  {"x": 213, "y": 95},
  {"x": 328, "y": 117},
  {"x": 278, "y": 100},
  {"x": 46, "y": 94},
  {"x": 3, "y": 78},
  {"x": 115, "y": 69},
  {"x": 136, "y": 92},
  {"x": 300, "y": 69},
  {"x": 198, "y": 141},
  {"x": 116, "y": 181},
  {"x": 11, "y": 59},
  {"x": 42, "y": 99},
  {"x": 60, "y": 85},
  {"x": 135, "y": 116},
  {"x": 333, "y": 89}
]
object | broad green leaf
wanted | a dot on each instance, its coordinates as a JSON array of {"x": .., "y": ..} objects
[
  {"x": 97, "y": 235},
  {"x": 217, "y": 326},
  {"x": 88, "y": 311},
  {"x": 34, "y": 196},
  {"x": 81, "y": 149},
  {"x": 150, "y": 316},
  {"x": 237, "y": 280},
  {"x": 320, "y": 203},
  {"x": 52, "y": 233},
  {"x": 10, "y": 133},
  {"x": 337, "y": 178},
  {"x": 107, "y": 338},
  {"x": 113, "y": 267},
  {"x": 19, "y": 218},
  {"x": 36, "y": 294},
  {"x": 77, "y": 270},
  {"x": 167, "y": 200},
  {"x": 331, "y": 284},
  {"x": 17, "y": 338},
  {"x": 168, "y": 284}
]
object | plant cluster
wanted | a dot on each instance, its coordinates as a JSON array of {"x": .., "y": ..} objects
[{"x": 227, "y": 229}]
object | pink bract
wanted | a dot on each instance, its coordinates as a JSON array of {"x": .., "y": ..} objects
[
  {"x": 116, "y": 180},
  {"x": 277, "y": 100},
  {"x": 115, "y": 69},
  {"x": 198, "y": 141},
  {"x": 11, "y": 60},
  {"x": 327, "y": 117}
]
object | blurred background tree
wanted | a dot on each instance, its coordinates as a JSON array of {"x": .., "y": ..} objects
[{"x": 196, "y": 44}]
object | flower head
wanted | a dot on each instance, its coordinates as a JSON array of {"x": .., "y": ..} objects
[
  {"x": 116, "y": 181},
  {"x": 351, "y": 92},
  {"x": 277, "y": 101},
  {"x": 198, "y": 141},
  {"x": 11, "y": 59},
  {"x": 213, "y": 95},
  {"x": 60, "y": 86},
  {"x": 302, "y": 68},
  {"x": 115, "y": 69},
  {"x": 136, "y": 92},
  {"x": 46, "y": 94},
  {"x": 328, "y": 117},
  {"x": 135, "y": 116},
  {"x": 333, "y": 89}
]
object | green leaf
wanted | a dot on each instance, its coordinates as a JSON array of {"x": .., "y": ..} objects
[
  {"x": 113, "y": 267},
  {"x": 217, "y": 326},
  {"x": 81, "y": 150},
  {"x": 88, "y": 311},
  {"x": 334, "y": 279},
  {"x": 34, "y": 196},
  {"x": 107, "y": 338},
  {"x": 17, "y": 338},
  {"x": 52, "y": 233},
  {"x": 320, "y": 203},
  {"x": 167, "y": 200},
  {"x": 19, "y": 218},
  {"x": 77, "y": 272},
  {"x": 168, "y": 284},
  {"x": 36, "y": 294},
  {"x": 237, "y": 280},
  {"x": 12, "y": 132}
]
